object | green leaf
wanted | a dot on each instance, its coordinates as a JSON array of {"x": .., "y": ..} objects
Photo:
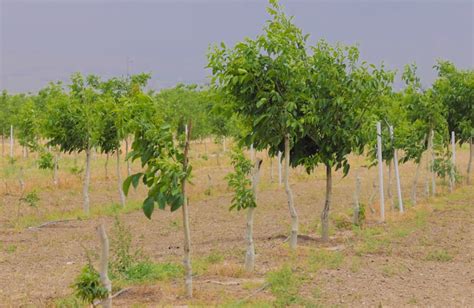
[
  {"x": 126, "y": 184},
  {"x": 148, "y": 206}
]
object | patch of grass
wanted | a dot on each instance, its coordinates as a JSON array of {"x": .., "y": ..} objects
[
  {"x": 10, "y": 248},
  {"x": 372, "y": 241},
  {"x": 201, "y": 265},
  {"x": 149, "y": 272},
  {"x": 323, "y": 259},
  {"x": 70, "y": 301},
  {"x": 393, "y": 269},
  {"x": 355, "y": 264},
  {"x": 249, "y": 304},
  {"x": 342, "y": 222},
  {"x": 284, "y": 286},
  {"x": 439, "y": 255}
]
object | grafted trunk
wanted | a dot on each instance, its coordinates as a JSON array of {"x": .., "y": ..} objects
[
  {"x": 87, "y": 176},
  {"x": 289, "y": 193},
  {"x": 327, "y": 205},
  {"x": 469, "y": 164},
  {"x": 187, "y": 232},
  {"x": 104, "y": 265},
  {"x": 415, "y": 183},
  {"x": 119, "y": 180},
  {"x": 250, "y": 254}
]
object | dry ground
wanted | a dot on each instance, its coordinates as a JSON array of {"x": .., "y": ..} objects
[{"x": 421, "y": 259}]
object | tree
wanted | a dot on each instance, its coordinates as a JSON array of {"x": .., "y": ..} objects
[
  {"x": 73, "y": 122},
  {"x": 166, "y": 174},
  {"x": 343, "y": 94},
  {"x": 455, "y": 89},
  {"x": 245, "y": 196},
  {"x": 264, "y": 80}
]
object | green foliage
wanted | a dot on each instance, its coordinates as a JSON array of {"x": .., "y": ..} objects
[
  {"x": 123, "y": 257},
  {"x": 323, "y": 259},
  {"x": 240, "y": 182},
  {"x": 164, "y": 159},
  {"x": 284, "y": 286},
  {"x": 31, "y": 199},
  {"x": 145, "y": 271},
  {"x": 46, "y": 160},
  {"x": 87, "y": 285}
]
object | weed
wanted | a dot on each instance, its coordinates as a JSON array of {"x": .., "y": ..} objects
[
  {"x": 201, "y": 265},
  {"x": 439, "y": 255},
  {"x": 146, "y": 271},
  {"x": 87, "y": 285},
  {"x": 322, "y": 259},
  {"x": 342, "y": 222},
  {"x": 10, "y": 248},
  {"x": 31, "y": 199},
  {"x": 284, "y": 286}
]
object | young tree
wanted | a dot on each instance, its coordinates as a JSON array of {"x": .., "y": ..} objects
[
  {"x": 264, "y": 80},
  {"x": 343, "y": 94},
  {"x": 73, "y": 122},
  {"x": 166, "y": 173},
  {"x": 455, "y": 89},
  {"x": 245, "y": 196}
]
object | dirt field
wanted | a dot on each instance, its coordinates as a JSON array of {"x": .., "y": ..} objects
[{"x": 423, "y": 258}]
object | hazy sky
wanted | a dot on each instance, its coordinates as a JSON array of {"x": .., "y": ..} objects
[{"x": 45, "y": 40}]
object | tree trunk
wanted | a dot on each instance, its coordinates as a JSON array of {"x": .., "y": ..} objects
[
  {"x": 119, "y": 180},
  {"x": 250, "y": 255},
  {"x": 271, "y": 169},
  {"x": 11, "y": 142},
  {"x": 415, "y": 183},
  {"x": 129, "y": 169},
  {"x": 279, "y": 169},
  {"x": 187, "y": 231},
  {"x": 289, "y": 193},
  {"x": 453, "y": 162},
  {"x": 87, "y": 176},
  {"x": 433, "y": 175},
  {"x": 3, "y": 144},
  {"x": 106, "y": 166},
  {"x": 327, "y": 205},
  {"x": 397, "y": 173},
  {"x": 469, "y": 164},
  {"x": 380, "y": 163},
  {"x": 104, "y": 264},
  {"x": 252, "y": 154},
  {"x": 55, "y": 169},
  {"x": 389, "y": 182},
  {"x": 355, "y": 219}
]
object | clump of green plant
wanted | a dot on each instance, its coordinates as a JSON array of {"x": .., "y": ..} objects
[
  {"x": 284, "y": 285},
  {"x": 240, "y": 182},
  {"x": 31, "y": 199},
  {"x": 123, "y": 256},
  {"x": 129, "y": 264},
  {"x": 46, "y": 161},
  {"x": 87, "y": 285},
  {"x": 75, "y": 169},
  {"x": 361, "y": 215},
  {"x": 439, "y": 255}
]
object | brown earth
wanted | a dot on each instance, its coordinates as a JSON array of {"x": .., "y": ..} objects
[{"x": 39, "y": 265}]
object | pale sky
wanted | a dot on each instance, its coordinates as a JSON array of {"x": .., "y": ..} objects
[{"x": 44, "y": 41}]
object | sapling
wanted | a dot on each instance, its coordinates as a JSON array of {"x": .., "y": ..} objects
[{"x": 245, "y": 196}]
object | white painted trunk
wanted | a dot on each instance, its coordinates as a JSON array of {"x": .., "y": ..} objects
[
  {"x": 453, "y": 162},
  {"x": 119, "y": 180},
  {"x": 252, "y": 153},
  {"x": 415, "y": 184},
  {"x": 11, "y": 141},
  {"x": 327, "y": 206},
  {"x": 187, "y": 231},
  {"x": 380, "y": 163},
  {"x": 397, "y": 173},
  {"x": 106, "y": 166},
  {"x": 55, "y": 169},
  {"x": 104, "y": 265},
  {"x": 433, "y": 174},
  {"x": 289, "y": 193},
  {"x": 469, "y": 164},
  {"x": 355, "y": 219},
  {"x": 85, "y": 188},
  {"x": 389, "y": 181},
  {"x": 279, "y": 169},
  {"x": 250, "y": 254},
  {"x": 271, "y": 169},
  {"x": 129, "y": 168}
]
